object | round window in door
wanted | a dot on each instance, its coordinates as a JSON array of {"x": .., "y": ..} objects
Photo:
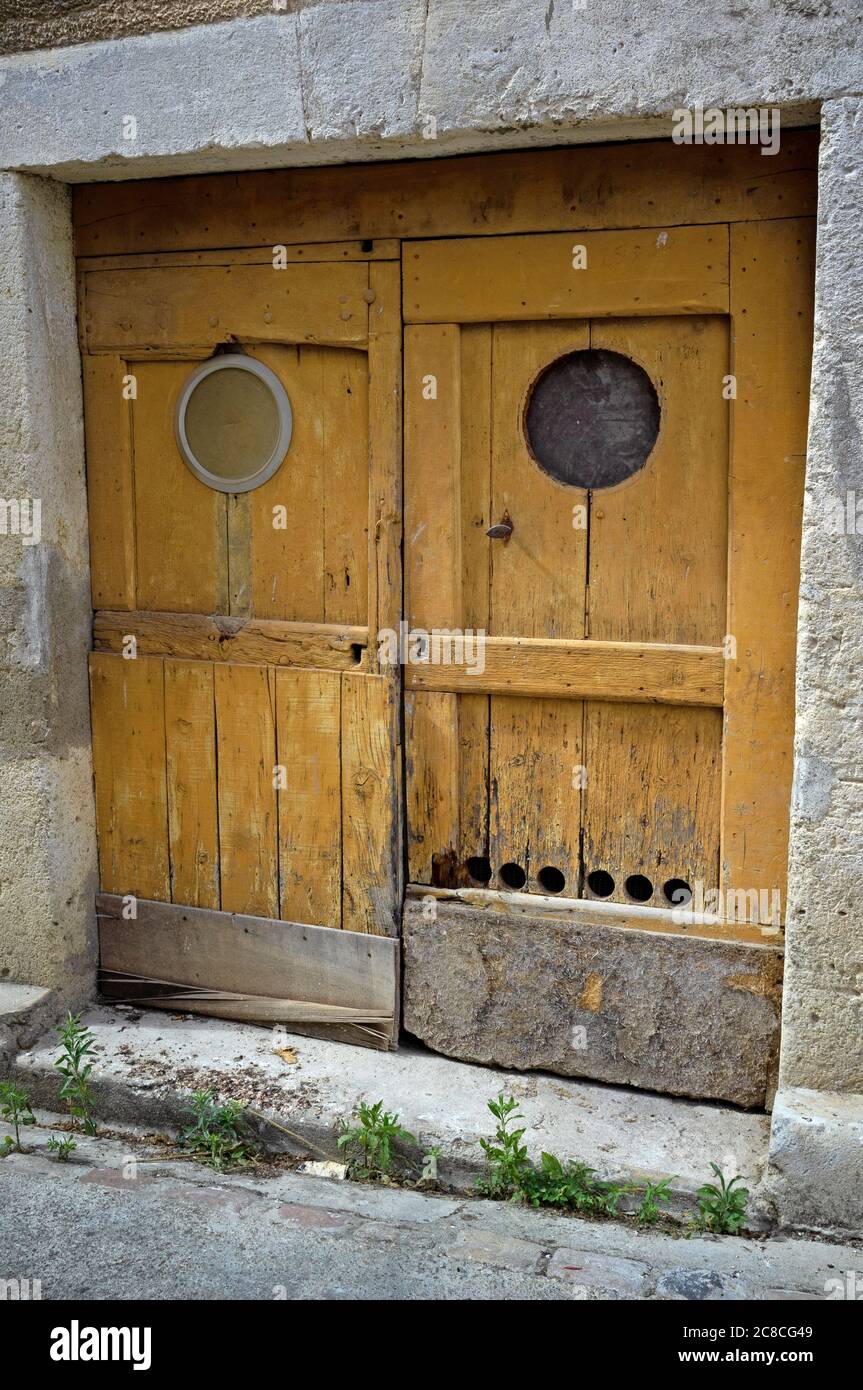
[
  {"x": 592, "y": 418},
  {"x": 233, "y": 423}
]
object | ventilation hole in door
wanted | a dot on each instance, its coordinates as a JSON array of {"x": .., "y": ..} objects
[
  {"x": 677, "y": 892},
  {"x": 639, "y": 888},
  {"x": 592, "y": 418},
  {"x": 479, "y": 869},
  {"x": 551, "y": 879},
  {"x": 600, "y": 883},
  {"x": 513, "y": 875}
]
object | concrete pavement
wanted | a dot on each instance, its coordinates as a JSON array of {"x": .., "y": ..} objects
[{"x": 108, "y": 1226}]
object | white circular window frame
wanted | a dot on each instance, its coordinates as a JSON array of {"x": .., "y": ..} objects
[{"x": 237, "y": 361}]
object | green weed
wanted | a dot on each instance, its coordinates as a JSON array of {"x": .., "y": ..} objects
[
  {"x": 373, "y": 1133},
  {"x": 219, "y": 1135},
  {"x": 722, "y": 1205},
  {"x": 15, "y": 1110},
  {"x": 75, "y": 1069}
]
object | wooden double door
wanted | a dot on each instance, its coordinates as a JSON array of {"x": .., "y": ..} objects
[{"x": 608, "y": 712}]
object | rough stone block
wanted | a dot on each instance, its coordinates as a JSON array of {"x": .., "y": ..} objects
[
  {"x": 687, "y": 1015},
  {"x": 815, "y": 1175}
]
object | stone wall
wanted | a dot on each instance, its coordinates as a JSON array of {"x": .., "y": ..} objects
[{"x": 47, "y": 844}]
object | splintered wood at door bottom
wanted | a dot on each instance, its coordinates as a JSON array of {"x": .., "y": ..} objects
[{"x": 326, "y": 984}]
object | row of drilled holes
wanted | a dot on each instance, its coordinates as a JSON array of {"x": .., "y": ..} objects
[{"x": 675, "y": 891}]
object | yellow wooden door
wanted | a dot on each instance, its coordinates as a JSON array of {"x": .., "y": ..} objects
[
  {"x": 622, "y": 729},
  {"x": 245, "y": 736}
]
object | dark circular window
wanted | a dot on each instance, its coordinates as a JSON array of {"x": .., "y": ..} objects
[{"x": 592, "y": 418}]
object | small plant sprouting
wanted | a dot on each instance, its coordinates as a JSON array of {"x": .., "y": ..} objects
[
  {"x": 573, "y": 1186},
  {"x": 505, "y": 1154},
  {"x": 62, "y": 1147},
  {"x": 429, "y": 1169},
  {"x": 374, "y": 1133},
  {"x": 721, "y": 1205},
  {"x": 15, "y": 1110},
  {"x": 78, "y": 1044},
  {"x": 219, "y": 1135},
  {"x": 656, "y": 1194}
]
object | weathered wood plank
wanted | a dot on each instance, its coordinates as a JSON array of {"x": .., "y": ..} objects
[
  {"x": 288, "y": 511},
  {"x": 432, "y": 785},
  {"x": 201, "y": 306},
  {"x": 180, "y": 524},
  {"x": 128, "y": 714},
  {"x": 110, "y": 483},
  {"x": 371, "y": 758},
  {"x": 190, "y": 734},
  {"x": 675, "y": 270},
  {"x": 346, "y": 486},
  {"x": 535, "y": 800},
  {"x": 308, "y": 722},
  {"x": 578, "y": 911},
  {"x": 385, "y": 451},
  {"x": 308, "y": 253},
  {"x": 543, "y": 190},
  {"x": 772, "y": 272},
  {"x": 197, "y": 637},
  {"x": 294, "y": 973},
  {"x": 432, "y": 477},
  {"x": 632, "y": 671},
  {"x": 651, "y": 799},
  {"x": 246, "y": 743},
  {"x": 537, "y": 578},
  {"x": 657, "y": 564}
]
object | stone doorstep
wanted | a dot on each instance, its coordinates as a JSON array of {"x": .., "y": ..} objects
[
  {"x": 147, "y": 1063},
  {"x": 585, "y": 997},
  {"x": 25, "y": 1012}
]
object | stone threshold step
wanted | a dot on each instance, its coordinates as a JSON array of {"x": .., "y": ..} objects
[{"x": 147, "y": 1063}]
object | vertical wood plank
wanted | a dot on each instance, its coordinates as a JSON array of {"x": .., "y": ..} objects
[
  {"x": 370, "y": 844},
  {"x": 772, "y": 269},
  {"x": 659, "y": 541},
  {"x": 538, "y": 576},
  {"x": 535, "y": 811},
  {"x": 385, "y": 451},
  {"x": 473, "y": 714},
  {"x": 239, "y": 521},
  {"x": 473, "y": 711},
  {"x": 432, "y": 477},
  {"x": 190, "y": 734},
  {"x": 128, "y": 713},
  {"x": 110, "y": 483},
  {"x": 288, "y": 560},
  {"x": 246, "y": 743},
  {"x": 651, "y": 802},
  {"x": 308, "y": 718},
  {"x": 181, "y": 527},
  {"x": 476, "y": 444},
  {"x": 346, "y": 486},
  {"x": 432, "y": 787}
]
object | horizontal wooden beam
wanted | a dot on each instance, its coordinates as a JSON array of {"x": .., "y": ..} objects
[
  {"x": 644, "y": 673},
  {"x": 588, "y": 913},
  {"x": 230, "y": 965},
  {"x": 308, "y": 254},
  {"x": 196, "y": 637},
  {"x": 567, "y": 275},
  {"x": 200, "y": 306},
  {"x": 531, "y": 190}
]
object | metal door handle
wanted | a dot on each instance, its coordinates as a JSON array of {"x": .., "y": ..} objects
[{"x": 502, "y": 531}]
